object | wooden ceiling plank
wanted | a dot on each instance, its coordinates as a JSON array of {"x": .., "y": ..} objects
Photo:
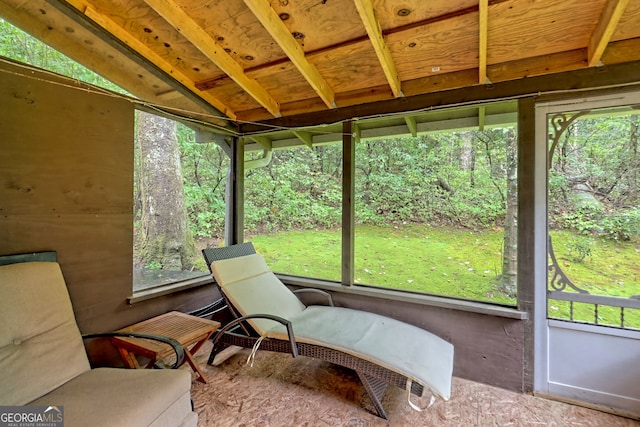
[
  {"x": 607, "y": 23},
  {"x": 280, "y": 33},
  {"x": 371, "y": 24},
  {"x": 484, "y": 25},
  {"x": 186, "y": 26},
  {"x": 124, "y": 36}
]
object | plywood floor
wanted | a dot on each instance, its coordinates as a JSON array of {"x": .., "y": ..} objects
[{"x": 281, "y": 391}]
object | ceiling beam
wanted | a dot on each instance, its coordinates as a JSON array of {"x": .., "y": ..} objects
[
  {"x": 371, "y": 24},
  {"x": 280, "y": 33},
  {"x": 196, "y": 35},
  {"x": 586, "y": 78},
  {"x": 607, "y": 23},
  {"x": 125, "y": 37},
  {"x": 482, "y": 54}
]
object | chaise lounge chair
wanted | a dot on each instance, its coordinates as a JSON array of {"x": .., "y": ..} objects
[
  {"x": 43, "y": 362},
  {"x": 381, "y": 350}
]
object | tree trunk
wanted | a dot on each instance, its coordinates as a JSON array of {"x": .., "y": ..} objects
[
  {"x": 634, "y": 163},
  {"x": 164, "y": 240},
  {"x": 508, "y": 282},
  {"x": 467, "y": 156}
]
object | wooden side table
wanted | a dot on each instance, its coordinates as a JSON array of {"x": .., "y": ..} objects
[{"x": 190, "y": 331}]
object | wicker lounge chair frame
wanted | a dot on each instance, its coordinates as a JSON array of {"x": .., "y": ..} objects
[{"x": 237, "y": 332}]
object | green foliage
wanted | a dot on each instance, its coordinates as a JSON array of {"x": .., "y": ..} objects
[
  {"x": 421, "y": 180},
  {"x": 154, "y": 265},
  {"x": 622, "y": 225},
  {"x": 585, "y": 220},
  {"x": 300, "y": 189},
  {"x": 204, "y": 171},
  {"x": 580, "y": 248},
  {"x": 594, "y": 183}
]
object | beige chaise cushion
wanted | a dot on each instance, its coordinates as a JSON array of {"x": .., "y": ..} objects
[
  {"x": 400, "y": 347},
  {"x": 413, "y": 352},
  {"x": 253, "y": 289}
]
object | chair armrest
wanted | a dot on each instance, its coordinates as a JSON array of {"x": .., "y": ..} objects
[
  {"x": 317, "y": 291},
  {"x": 285, "y": 322},
  {"x": 175, "y": 345}
]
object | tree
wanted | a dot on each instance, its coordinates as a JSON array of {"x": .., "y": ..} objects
[
  {"x": 164, "y": 239},
  {"x": 508, "y": 279}
]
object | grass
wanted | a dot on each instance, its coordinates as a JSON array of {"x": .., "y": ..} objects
[
  {"x": 457, "y": 263},
  {"x": 417, "y": 258},
  {"x": 611, "y": 269}
]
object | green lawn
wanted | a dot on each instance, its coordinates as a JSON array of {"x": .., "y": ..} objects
[
  {"x": 453, "y": 262},
  {"x": 612, "y": 269}
]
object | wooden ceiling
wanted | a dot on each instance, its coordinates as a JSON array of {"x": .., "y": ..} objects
[{"x": 254, "y": 60}]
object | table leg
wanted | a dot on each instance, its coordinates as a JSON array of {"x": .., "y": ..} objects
[
  {"x": 131, "y": 361},
  {"x": 199, "y": 344},
  {"x": 128, "y": 358},
  {"x": 188, "y": 354},
  {"x": 194, "y": 365}
]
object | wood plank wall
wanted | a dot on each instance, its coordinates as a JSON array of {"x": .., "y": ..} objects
[{"x": 66, "y": 184}]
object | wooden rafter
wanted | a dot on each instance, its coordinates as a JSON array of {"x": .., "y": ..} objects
[
  {"x": 121, "y": 34},
  {"x": 281, "y": 34},
  {"x": 607, "y": 23},
  {"x": 483, "y": 7},
  {"x": 371, "y": 24},
  {"x": 412, "y": 125},
  {"x": 186, "y": 26},
  {"x": 262, "y": 140},
  {"x": 305, "y": 137}
]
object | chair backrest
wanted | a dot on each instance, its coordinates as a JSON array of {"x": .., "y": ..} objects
[
  {"x": 40, "y": 345},
  {"x": 252, "y": 288},
  {"x": 225, "y": 252}
]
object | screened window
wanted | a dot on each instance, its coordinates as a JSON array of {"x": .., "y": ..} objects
[
  {"x": 293, "y": 210},
  {"x": 436, "y": 214}
]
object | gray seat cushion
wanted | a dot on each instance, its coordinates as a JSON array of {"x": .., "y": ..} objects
[{"x": 413, "y": 352}]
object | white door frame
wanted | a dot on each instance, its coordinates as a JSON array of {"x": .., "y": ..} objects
[{"x": 542, "y": 325}]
